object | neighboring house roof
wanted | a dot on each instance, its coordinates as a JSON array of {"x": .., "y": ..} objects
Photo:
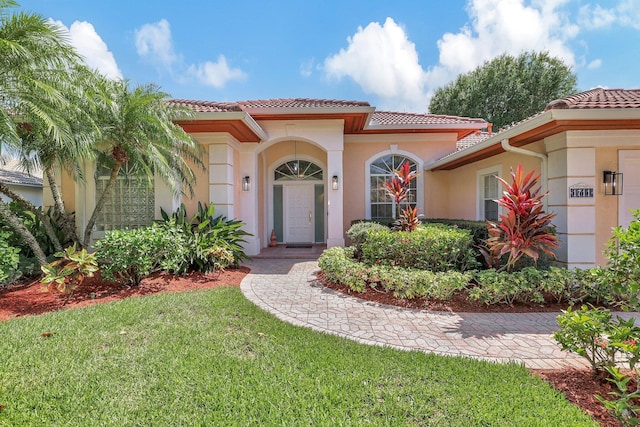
[
  {"x": 596, "y": 109},
  {"x": 241, "y": 118},
  {"x": 11, "y": 173}
]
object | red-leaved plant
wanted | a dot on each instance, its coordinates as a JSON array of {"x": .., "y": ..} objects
[
  {"x": 398, "y": 189},
  {"x": 525, "y": 229}
]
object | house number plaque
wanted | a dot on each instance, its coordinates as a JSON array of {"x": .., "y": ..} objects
[{"x": 580, "y": 191}]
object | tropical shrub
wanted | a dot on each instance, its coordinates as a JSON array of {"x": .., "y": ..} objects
[
  {"x": 524, "y": 230},
  {"x": 9, "y": 258},
  {"x": 70, "y": 270},
  {"x": 205, "y": 231},
  {"x": 622, "y": 273},
  {"x": 398, "y": 189},
  {"x": 339, "y": 266},
  {"x": 430, "y": 247},
  {"x": 584, "y": 332},
  {"x": 610, "y": 345},
  {"x": 128, "y": 256},
  {"x": 359, "y": 232},
  {"x": 36, "y": 228},
  {"x": 478, "y": 229}
]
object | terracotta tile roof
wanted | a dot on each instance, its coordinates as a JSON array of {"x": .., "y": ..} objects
[
  {"x": 382, "y": 118},
  {"x": 301, "y": 103},
  {"x": 471, "y": 140},
  {"x": 207, "y": 106},
  {"x": 598, "y": 98},
  {"x": 12, "y": 173}
]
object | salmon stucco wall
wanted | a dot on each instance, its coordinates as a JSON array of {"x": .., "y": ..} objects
[
  {"x": 454, "y": 193},
  {"x": 359, "y": 149}
]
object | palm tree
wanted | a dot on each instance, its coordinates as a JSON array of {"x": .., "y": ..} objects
[
  {"x": 69, "y": 151},
  {"x": 138, "y": 130},
  {"x": 35, "y": 63}
]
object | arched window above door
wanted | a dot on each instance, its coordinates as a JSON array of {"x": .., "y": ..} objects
[{"x": 298, "y": 170}]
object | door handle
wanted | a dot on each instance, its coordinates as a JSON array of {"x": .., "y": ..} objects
[{"x": 309, "y": 217}]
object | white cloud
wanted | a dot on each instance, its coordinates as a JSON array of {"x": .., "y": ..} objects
[
  {"x": 507, "y": 26},
  {"x": 92, "y": 48},
  {"x": 596, "y": 63},
  {"x": 592, "y": 17},
  {"x": 625, "y": 13},
  {"x": 382, "y": 61},
  {"x": 306, "y": 67},
  {"x": 216, "y": 74},
  {"x": 154, "y": 42}
]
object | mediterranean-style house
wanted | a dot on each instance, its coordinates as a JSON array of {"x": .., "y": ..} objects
[{"x": 304, "y": 169}]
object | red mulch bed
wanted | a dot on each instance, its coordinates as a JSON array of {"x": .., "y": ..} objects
[
  {"x": 579, "y": 386},
  {"x": 29, "y": 298}
]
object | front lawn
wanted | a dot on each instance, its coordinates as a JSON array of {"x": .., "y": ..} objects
[{"x": 212, "y": 358}]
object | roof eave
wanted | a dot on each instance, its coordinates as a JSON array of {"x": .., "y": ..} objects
[
  {"x": 594, "y": 114},
  {"x": 530, "y": 124},
  {"x": 255, "y": 131}
]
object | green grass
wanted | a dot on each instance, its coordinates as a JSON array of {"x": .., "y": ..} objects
[{"x": 211, "y": 358}]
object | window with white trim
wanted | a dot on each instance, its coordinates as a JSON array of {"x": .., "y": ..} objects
[
  {"x": 488, "y": 192},
  {"x": 381, "y": 172},
  {"x": 131, "y": 202}
]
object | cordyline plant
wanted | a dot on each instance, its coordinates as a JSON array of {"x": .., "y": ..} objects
[
  {"x": 525, "y": 229},
  {"x": 398, "y": 189}
]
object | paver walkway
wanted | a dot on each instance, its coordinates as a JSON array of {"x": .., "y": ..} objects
[{"x": 288, "y": 288}]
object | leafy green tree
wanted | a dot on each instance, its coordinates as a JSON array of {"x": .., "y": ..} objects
[
  {"x": 138, "y": 129},
  {"x": 506, "y": 89}
]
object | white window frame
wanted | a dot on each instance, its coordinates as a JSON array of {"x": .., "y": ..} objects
[
  {"x": 480, "y": 196},
  {"x": 419, "y": 180}
]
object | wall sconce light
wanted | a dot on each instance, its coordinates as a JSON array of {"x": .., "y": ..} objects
[
  {"x": 246, "y": 183},
  {"x": 334, "y": 182},
  {"x": 612, "y": 183}
]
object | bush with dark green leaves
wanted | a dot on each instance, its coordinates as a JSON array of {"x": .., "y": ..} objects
[
  {"x": 9, "y": 258},
  {"x": 339, "y": 266},
  {"x": 128, "y": 256},
  {"x": 209, "y": 237},
  {"x": 359, "y": 232},
  {"x": 429, "y": 247}
]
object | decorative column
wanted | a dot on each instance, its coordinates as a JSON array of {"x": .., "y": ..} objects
[
  {"x": 221, "y": 179},
  {"x": 248, "y": 198},
  {"x": 335, "y": 198},
  {"x": 572, "y": 188}
]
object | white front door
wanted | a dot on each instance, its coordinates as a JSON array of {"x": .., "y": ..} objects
[
  {"x": 299, "y": 215},
  {"x": 629, "y": 162}
]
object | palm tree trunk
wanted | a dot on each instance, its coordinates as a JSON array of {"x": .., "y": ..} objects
[
  {"x": 68, "y": 225},
  {"x": 100, "y": 204},
  {"x": 4, "y": 189},
  {"x": 17, "y": 225}
]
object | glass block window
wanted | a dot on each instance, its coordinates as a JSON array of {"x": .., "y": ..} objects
[
  {"x": 490, "y": 192},
  {"x": 130, "y": 204},
  {"x": 381, "y": 172},
  {"x": 298, "y": 170}
]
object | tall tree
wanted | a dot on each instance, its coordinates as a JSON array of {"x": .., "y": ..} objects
[
  {"x": 138, "y": 129},
  {"x": 35, "y": 61},
  {"x": 506, "y": 89}
]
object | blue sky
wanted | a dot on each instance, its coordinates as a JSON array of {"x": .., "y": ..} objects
[{"x": 393, "y": 54}]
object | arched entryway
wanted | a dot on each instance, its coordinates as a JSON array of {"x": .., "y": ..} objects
[{"x": 298, "y": 202}]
